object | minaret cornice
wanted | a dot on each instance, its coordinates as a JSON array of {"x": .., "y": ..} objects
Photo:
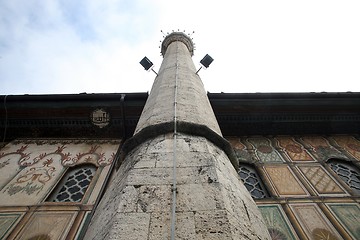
[{"x": 177, "y": 36}]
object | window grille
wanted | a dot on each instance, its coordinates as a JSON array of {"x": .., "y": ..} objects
[
  {"x": 252, "y": 181},
  {"x": 73, "y": 185},
  {"x": 348, "y": 173}
]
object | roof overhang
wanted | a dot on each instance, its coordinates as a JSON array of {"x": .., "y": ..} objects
[{"x": 69, "y": 115}]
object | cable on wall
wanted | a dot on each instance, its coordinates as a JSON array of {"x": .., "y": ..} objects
[{"x": 174, "y": 188}]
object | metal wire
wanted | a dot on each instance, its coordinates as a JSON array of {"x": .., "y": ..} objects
[{"x": 173, "y": 210}]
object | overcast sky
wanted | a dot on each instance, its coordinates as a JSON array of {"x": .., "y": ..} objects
[{"x": 94, "y": 46}]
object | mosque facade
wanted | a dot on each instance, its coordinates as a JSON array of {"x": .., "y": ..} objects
[{"x": 180, "y": 163}]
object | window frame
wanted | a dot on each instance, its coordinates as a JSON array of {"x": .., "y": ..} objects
[
  {"x": 349, "y": 165},
  {"x": 63, "y": 179}
]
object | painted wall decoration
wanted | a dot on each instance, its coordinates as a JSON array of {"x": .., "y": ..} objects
[
  {"x": 277, "y": 223},
  {"x": 7, "y": 222},
  {"x": 321, "y": 181},
  {"x": 349, "y": 144},
  {"x": 264, "y": 150},
  {"x": 314, "y": 223},
  {"x": 321, "y": 148},
  {"x": 240, "y": 150},
  {"x": 349, "y": 216},
  {"x": 10, "y": 156},
  {"x": 33, "y": 182},
  {"x": 53, "y": 225},
  {"x": 35, "y": 166},
  {"x": 284, "y": 181},
  {"x": 293, "y": 149}
]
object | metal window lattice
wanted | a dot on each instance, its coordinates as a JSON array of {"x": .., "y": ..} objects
[
  {"x": 252, "y": 182},
  {"x": 348, "y": 173},
  {"x": 75, "y": 185}
]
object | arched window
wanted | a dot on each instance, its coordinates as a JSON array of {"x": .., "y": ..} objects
[
  {"x": 252, "y": 181},
  {"x": 73, "y": 185},
  {"x": 347, "y": 172}
]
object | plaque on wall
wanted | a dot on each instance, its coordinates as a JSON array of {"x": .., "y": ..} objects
[{"x": 100, "y": 117}]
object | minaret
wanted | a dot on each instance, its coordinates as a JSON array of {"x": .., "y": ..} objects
[{"x": 178, "y": 177}]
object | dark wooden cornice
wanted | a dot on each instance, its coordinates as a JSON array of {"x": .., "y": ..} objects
[
  {"x": 68, "y": 115},
  {"x": 287, "y": 113}
]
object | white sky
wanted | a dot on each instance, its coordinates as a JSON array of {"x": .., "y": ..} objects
[{"x": 94, "y": 46}]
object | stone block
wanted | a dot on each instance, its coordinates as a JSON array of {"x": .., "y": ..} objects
[
  {"x": 130, "y": 226},
  {"x": 184, "y": 159},
  {"x": 128, "y": 200},
  {"x": 163, "y": 176},
  {"x": 154, "y": 198},
  {"x": 212, "y": 225},
  {"x": 199, "y": 197},
  {"x": 146, "y": 160},
  {"x": 160, "y": 226}
]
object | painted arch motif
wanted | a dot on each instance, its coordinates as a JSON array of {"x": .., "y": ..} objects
[
  {"x": 293, "y": 149},
  {"x": 240, "y": 149},
  {"x": 321, "y": 148},
  {"x": 264, "y": 150},
  {"x": 349, "y": 144}
]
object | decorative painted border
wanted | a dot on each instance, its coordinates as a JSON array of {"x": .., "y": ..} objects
[
  {"x": 293, "y": 147},
  {"x": 5, "y": 229},
  {"x": 320, "y": 147},
  {"x": 326, "y": 231},
  {"x": 344, "y": 193},
  {"x": 349, "y": 144},
  {"x": 347, "y": 219},
  {"x": 281, "y": 221},
  {"x": 265, "y": 148},
  {"x": 60, "y": 221},
  {"x": 52, "y": 141},
  {"x": 269, "y": 179}
]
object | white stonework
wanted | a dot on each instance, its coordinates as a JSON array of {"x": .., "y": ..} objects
[
  {"x": 193, "y": 105},
  {"x": 211, "y": 202}
]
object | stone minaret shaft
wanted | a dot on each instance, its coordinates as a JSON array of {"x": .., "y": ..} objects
[
  {"x": 178, "y": 161},
  {"x": 178, "y": 85}
]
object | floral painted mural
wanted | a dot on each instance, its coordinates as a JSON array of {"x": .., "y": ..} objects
[{"x": 30, "y": 170}]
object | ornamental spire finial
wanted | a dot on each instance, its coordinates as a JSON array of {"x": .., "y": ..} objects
[{"x": 177, "y": 36}]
